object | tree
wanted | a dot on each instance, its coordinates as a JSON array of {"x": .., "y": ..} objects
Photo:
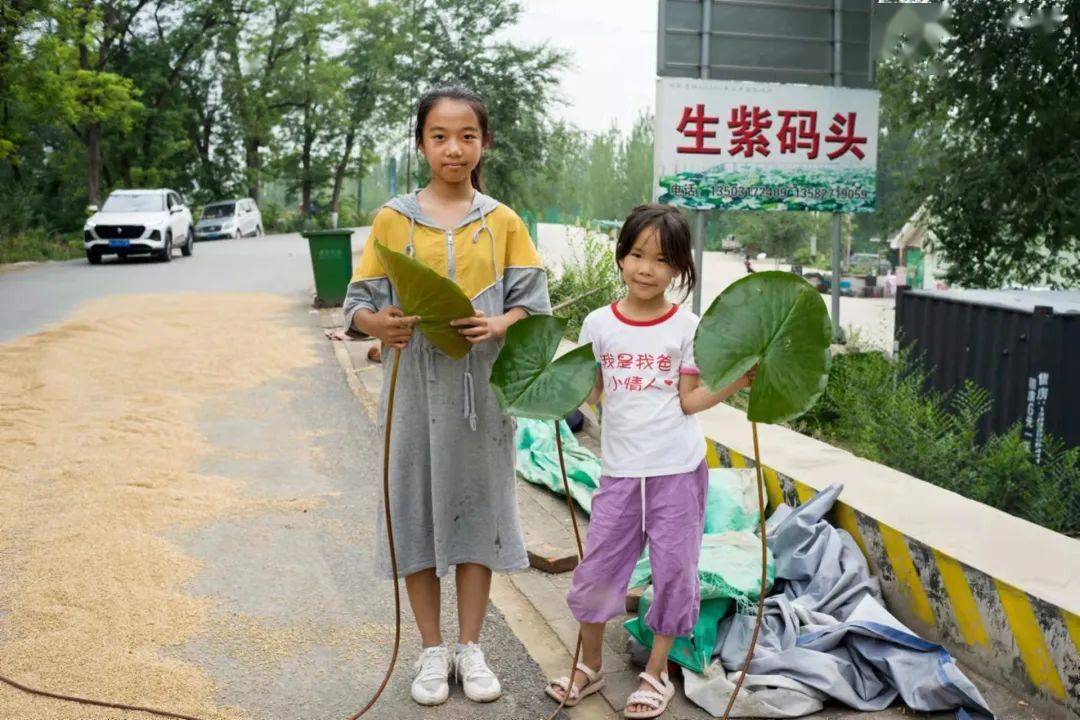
[
  {"x": 96, "y": 98},
  {"x": 259, "y": 39},
  {"x": 636, "y": 163},
  {"x": 779, "y": 234},
  {"x": 456, "y": 42},
  {"x": 1003, "y": 187},
  {"x": 166, "y": 59},
  {"x": 370, "y": 100},
  {"x": 557, "y": 188}
]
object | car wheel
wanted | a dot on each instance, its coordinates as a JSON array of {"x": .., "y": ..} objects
[
  {"x": 189, "y": 246},
  {"x": 93, "y": 256},
  {"x": 166, "y": 253}
]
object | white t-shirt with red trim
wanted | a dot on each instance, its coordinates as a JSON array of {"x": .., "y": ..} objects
[{"x": 644, "y": 431}]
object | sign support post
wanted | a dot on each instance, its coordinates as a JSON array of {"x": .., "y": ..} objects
[
  {"x": 837, "y": 76},
  {"x": 698, "y": 227}
]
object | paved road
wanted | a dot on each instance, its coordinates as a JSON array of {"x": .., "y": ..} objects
[
  {"x": 301, "y": 626},
  {"x": 283, "y": 581},
  {"x": 34, "y": 297}
]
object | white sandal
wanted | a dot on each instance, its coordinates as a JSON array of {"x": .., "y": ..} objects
[
  {"x": 595, "y": 682},
  {"x": 657, "y": 702}
]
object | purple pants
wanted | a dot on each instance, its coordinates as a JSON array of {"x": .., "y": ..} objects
[{"x": 674, "y": 523}]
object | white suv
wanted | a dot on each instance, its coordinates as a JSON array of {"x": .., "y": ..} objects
[
  {"x": 139, "y": 222},
  {"x": 229, "y": 219}
]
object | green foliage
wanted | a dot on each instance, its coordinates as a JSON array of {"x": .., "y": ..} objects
[
  {"x": 881, "y": 410},
  {"x": 436, "y": 299},
  {"x": 591, "y": 275},
  {"x": 777, "y": 321},
  {"x": 527, "y": 379},
  {"x": 997, "y": 125},
  {"x": 780, "y": 235},
  {"x": 823, "y": 259},
  {"x": 457, "y": 42},
  {"x": 217, "y": 98},
  {"x": 38, "y": 245},
  {"x": 593, "y": 177}
]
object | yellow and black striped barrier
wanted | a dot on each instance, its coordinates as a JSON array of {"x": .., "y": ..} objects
[{"x": 1030, "y": 645}]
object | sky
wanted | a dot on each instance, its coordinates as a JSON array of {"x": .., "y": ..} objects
[{"x": 612, "y": 43}]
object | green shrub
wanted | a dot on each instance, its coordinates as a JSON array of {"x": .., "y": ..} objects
[
  {"x": 349, "y": 215},
  {"x": 823, "y": 259},
  {"x": 592, "y": 270},
  {"x": 39, "y": 245},
  {"x": 882, "y": 410}
]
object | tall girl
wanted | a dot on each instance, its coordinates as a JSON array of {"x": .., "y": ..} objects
[
  {"x": 452, "y": 470},
  {"x": 654, "y": 478}
]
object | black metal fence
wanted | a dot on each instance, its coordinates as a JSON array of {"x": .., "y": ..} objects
[{"x": 1021, "y": 346}]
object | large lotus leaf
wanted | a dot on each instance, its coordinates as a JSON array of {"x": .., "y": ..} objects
[
  {"x": 778, "y": 321},
  {"x": 528, "y": 383},
  {"x": 436, "y": 299}
]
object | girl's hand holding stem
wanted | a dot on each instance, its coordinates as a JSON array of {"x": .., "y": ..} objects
[
  {"x": 481, "y": 327},
  {"x": 390, "y": 325}
]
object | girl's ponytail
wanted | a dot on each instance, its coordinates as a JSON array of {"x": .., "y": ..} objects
[{"x": 475, "y": 176}]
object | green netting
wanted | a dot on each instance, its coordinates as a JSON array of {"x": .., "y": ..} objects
[
  {"x": 538, "y": 460},
  {"x": 729, "y": 567}
]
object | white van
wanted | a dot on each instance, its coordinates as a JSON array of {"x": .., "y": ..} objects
[{"x": 229, "y": 219}]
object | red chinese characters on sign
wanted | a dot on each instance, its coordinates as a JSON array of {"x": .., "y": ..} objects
[
  {"x": 845, "y": 124},
  {"x": 797, "y": 132},
  {"x": 746, "y": 127},
  {"x": 698, "y": 132}
]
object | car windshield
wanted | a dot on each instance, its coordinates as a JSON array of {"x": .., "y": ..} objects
[
  {"x": 134, "y": 203},
  {"x": 219, "y": 211}
]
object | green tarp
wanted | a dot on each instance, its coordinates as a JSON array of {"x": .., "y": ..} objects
[{"x": 538, "y": 460}]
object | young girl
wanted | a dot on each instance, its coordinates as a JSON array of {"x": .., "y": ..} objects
[
  {"x": 653, "y": 453},
  {"x": 452, "y": 471}
]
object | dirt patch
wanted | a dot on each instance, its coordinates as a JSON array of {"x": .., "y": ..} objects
[
  {"x": 98, "y": 457},
  {"x": 16, "y": 266}
]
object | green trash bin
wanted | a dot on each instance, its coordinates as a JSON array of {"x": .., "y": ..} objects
[{"x": 331, "y": 261}]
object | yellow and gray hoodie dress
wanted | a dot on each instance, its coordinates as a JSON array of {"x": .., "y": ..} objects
[{"x": 452, "y": 451}]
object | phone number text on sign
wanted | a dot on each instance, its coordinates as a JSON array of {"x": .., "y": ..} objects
[{"x": 765, "y": 146}]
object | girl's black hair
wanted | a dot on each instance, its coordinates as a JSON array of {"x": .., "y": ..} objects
[
  {"x": 675, "y": 242},
  {"x": 431, "y": 98}
]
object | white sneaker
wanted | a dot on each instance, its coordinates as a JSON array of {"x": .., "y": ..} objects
[
  {"x": 430, "y": 685},
  {"x": 479, "y": 683}
]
